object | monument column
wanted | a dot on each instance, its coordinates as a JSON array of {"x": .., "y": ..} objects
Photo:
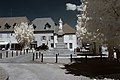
[{"x": 60, "y": 36}]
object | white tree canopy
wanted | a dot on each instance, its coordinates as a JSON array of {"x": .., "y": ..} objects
[
  {"x": 100, "y": 20},
  {"x": 24, "y": 34}
]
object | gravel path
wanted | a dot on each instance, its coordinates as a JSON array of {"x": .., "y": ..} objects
[{"x": 29, "y": 71}]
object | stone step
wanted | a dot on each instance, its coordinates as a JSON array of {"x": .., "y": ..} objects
[
  {"x": 60, "y": 51},
  {"x": 61, "y": 45},
  {"x": 60, "y": 55}
]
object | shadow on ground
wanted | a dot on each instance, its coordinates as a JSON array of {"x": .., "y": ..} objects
[{"x": 94, "y": 68}]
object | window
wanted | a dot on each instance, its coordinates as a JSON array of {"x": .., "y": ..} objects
[
  {"x": 7, "y": 26},
  {"x": 52, "y": 37},
  {"x": 70, "y": 37},
  {"x": 0, "y": 35},
  {"x": 49, "y": 38},
  {"x": 47, "y": 26},
  {"x": 52, "y": 45},
  {"x": 65, "y": 43},
  {"x": 14, "y": 25},
  {"x": 34, "y": 26},
  {"x": 8, "y": 35},
  {"x": 70, "y": 45},
  {"x": 11, "y": 34},
  {"x": 43, "y": 37}
]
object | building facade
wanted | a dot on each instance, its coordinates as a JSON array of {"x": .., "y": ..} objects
[
  {"x": 55, "y": 36},
  {"x": 65, "y": 37},
  {"x": 7, "y": 36},
  {"x": 46, "y": 31}
]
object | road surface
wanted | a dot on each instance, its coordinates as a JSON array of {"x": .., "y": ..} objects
[{"x": 29, "y": 71}]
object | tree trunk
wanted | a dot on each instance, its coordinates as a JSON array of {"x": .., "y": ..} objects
[
  {"x": 91, "y": 49},
  {"x": 95, "y": 48},
  {"x": 110, "y": 53},
  {"x": 117, "y": 53}
]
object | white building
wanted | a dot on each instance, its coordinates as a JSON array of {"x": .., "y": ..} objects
[
  {"x": 7, "y": 36},
  {"x": 46, "y": 32},
  {"x": 55, "y": 36}
]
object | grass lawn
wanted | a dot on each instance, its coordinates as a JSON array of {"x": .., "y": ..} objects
[{"x": 94, "y": 68}]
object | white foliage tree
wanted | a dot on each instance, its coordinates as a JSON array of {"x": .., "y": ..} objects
[
  {"x": 101, "y": 21},
  {"x": 81, "y": 23},
  {"x": 24, "y": 34}
]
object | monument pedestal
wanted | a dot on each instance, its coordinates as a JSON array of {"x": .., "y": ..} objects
[{"x": 61, "y": 46}]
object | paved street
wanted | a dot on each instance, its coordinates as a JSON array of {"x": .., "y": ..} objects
[
  {"x": 26, "y": 58},
  {"x": 22, "y": 71},
  {"x": 22, "y": 67}
]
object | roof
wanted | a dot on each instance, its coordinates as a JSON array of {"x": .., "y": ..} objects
[
  {"x": 40, "y": 25},
  {"x": 44, "y": 24},
  {"x": 66, "y": 29},
  {"x": 10, "y": 22}
]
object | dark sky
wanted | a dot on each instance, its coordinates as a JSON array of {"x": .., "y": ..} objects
[{"x": 55, "y": 9}]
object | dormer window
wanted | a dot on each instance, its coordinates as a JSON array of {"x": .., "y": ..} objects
[
  {"x": 14, "y": 25},
  {"x": 34, "y": 26},
  {"x": 7, "y": 26},
  {"x": 47, "y": 26},
  {"x": 55, "y": 24}
]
